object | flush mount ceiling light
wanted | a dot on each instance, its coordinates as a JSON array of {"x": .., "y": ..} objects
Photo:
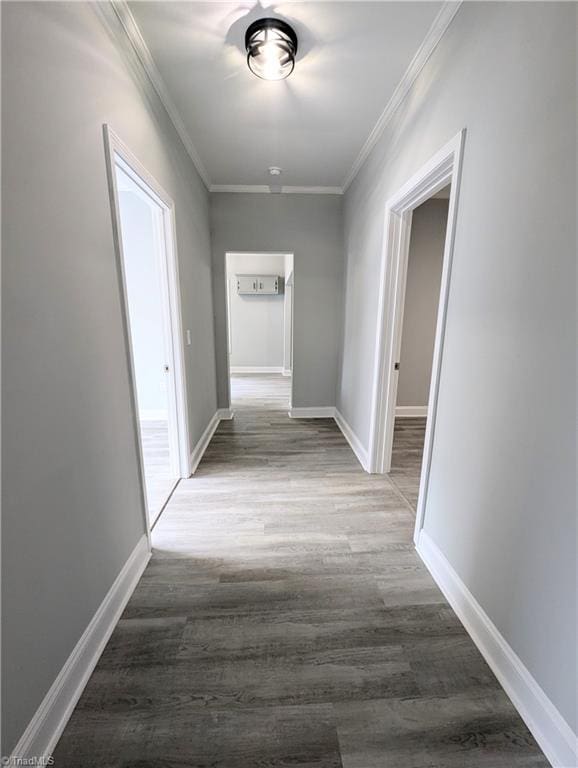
[{"x": 271, "y": 46}]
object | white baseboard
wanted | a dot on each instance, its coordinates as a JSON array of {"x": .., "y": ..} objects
[
  {"x": 330, "y": 412},
  {"x": 203, "y": 442},
  {"x": 201, "y": 446},
  {"x": 256, "y": 369},
  {"x": 355, "y": 443},
  {"x": 551, "y": 731},
  {"x": 410, "y": 410},
  {"x": 321, "y": 412},
  {"x": 286, "y": 371},
  {"x": 40, "y": 737}
]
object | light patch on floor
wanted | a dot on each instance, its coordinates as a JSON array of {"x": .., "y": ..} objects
[
  {"x": 265, "y": 391},
  {"x": 159, "y": 479}
]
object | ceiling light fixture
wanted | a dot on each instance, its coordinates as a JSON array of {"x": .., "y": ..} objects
[{"x": 271, "y": 46}]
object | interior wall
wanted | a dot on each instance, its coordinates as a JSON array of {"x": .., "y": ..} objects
[
  {"x": 422, "y": 292},
  {"x": 144, "y": 299},
  {"x": 310, "y": 227},
  {"x": 71, "y": 499},
  {"x": 256, "y": 322},
  {"x": 501, "y": 500}
]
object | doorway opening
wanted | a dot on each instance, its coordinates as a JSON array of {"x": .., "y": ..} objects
[
  {"x": 439, "y": 177},
  {"x": 260, "y": 329},
  {"x": 144, "y": 234},
  {"x": 420, "y": 303}
]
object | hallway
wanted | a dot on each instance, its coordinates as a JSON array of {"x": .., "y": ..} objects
[{"x": 285, "y": 620}]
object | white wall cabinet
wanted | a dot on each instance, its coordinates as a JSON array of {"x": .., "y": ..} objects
[
  {"x": 257, "y": 284},
  {"x": 246, "y": 284}
]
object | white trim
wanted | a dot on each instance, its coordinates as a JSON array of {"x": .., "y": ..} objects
[
  {"x": 117, "y": 240},
  {"x": 263, "y": 189},
  {"x": 320, "y": 412},
  {"x": 47, "y": 724},
  {"x": 289, "y": 263},
  {"x": 204, "y": 440},
  {"x": 428, "y": 46},
  {"x": 442, "y": 169},
  {"x": 178, "y": 406},
  {"x": 228, "y": 285},
  {"x": 221, "y": 414},
  {"x": 353, "y": 440},
  {"x": 256, "y": 369},
  {"x": 543, "y": 719},
  {"x": 153, "y": 79},
  {"x": 122, "y": 15},
  {"x": 407, "y": 411},
  {"x": 117, "y": 154}
]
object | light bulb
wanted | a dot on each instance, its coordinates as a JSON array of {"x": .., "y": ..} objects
[{"x": 271, "y": 47}]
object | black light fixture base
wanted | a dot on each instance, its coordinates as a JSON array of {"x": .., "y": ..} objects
[{"x": 271, "y": 46}]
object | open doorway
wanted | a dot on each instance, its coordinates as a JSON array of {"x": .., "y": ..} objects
[
  {"x": 260, "y": 329},
  {"x": 418, "y": 325},
  {"x": 147, "y": 259},
  {"x": 438, "y": 179}
]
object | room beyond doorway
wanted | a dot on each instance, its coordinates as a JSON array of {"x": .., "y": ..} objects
[
  {"x": 421, "y": 293},
  {"x": 259, "y": 306},
  {"x": 149, "y": 346},
  {"x": 144, "y": 238},
  {"x": 441, "y": 171}
]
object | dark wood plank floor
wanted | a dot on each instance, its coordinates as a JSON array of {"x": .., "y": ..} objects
[{"x": 285, "y": 621}]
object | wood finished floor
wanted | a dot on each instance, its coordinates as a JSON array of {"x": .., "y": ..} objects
[
  {"x": 406, "y": 456},
  {"x": 159, "y": 479},
  {"x": 285, "y": 621}
]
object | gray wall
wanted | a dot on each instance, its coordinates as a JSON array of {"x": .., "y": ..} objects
[
  {"x": 256, "y": 322},
  {"x": 424, "y": 274},
  {"x": 501, "y": 504},
  {"x": 310, "y": 226},
  {"x": 71, "y": 503}
]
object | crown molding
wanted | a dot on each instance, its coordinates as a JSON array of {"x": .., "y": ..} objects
[
  {"x": 313, "y": 190},
  {"x": 263, "y": 189},
  {"x": 428, "y": 46},
  {"x": 133, "y": 34},
  {"x": 127, "y": 22}
]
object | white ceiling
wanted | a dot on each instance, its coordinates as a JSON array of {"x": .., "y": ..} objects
[{"x": 351, "y": 58}]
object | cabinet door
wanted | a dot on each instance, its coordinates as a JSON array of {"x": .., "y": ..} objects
[
  {"x": 246, "y": 284},
  {"x": 268, "y": 284}
]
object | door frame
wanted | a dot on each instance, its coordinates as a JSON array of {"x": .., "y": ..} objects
[
  {"x": 442, "y": 169},
  {"x": 228, "y": 317},
  {"x": 288, "y": 326},
  {"x": 117, "y": 153}
]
